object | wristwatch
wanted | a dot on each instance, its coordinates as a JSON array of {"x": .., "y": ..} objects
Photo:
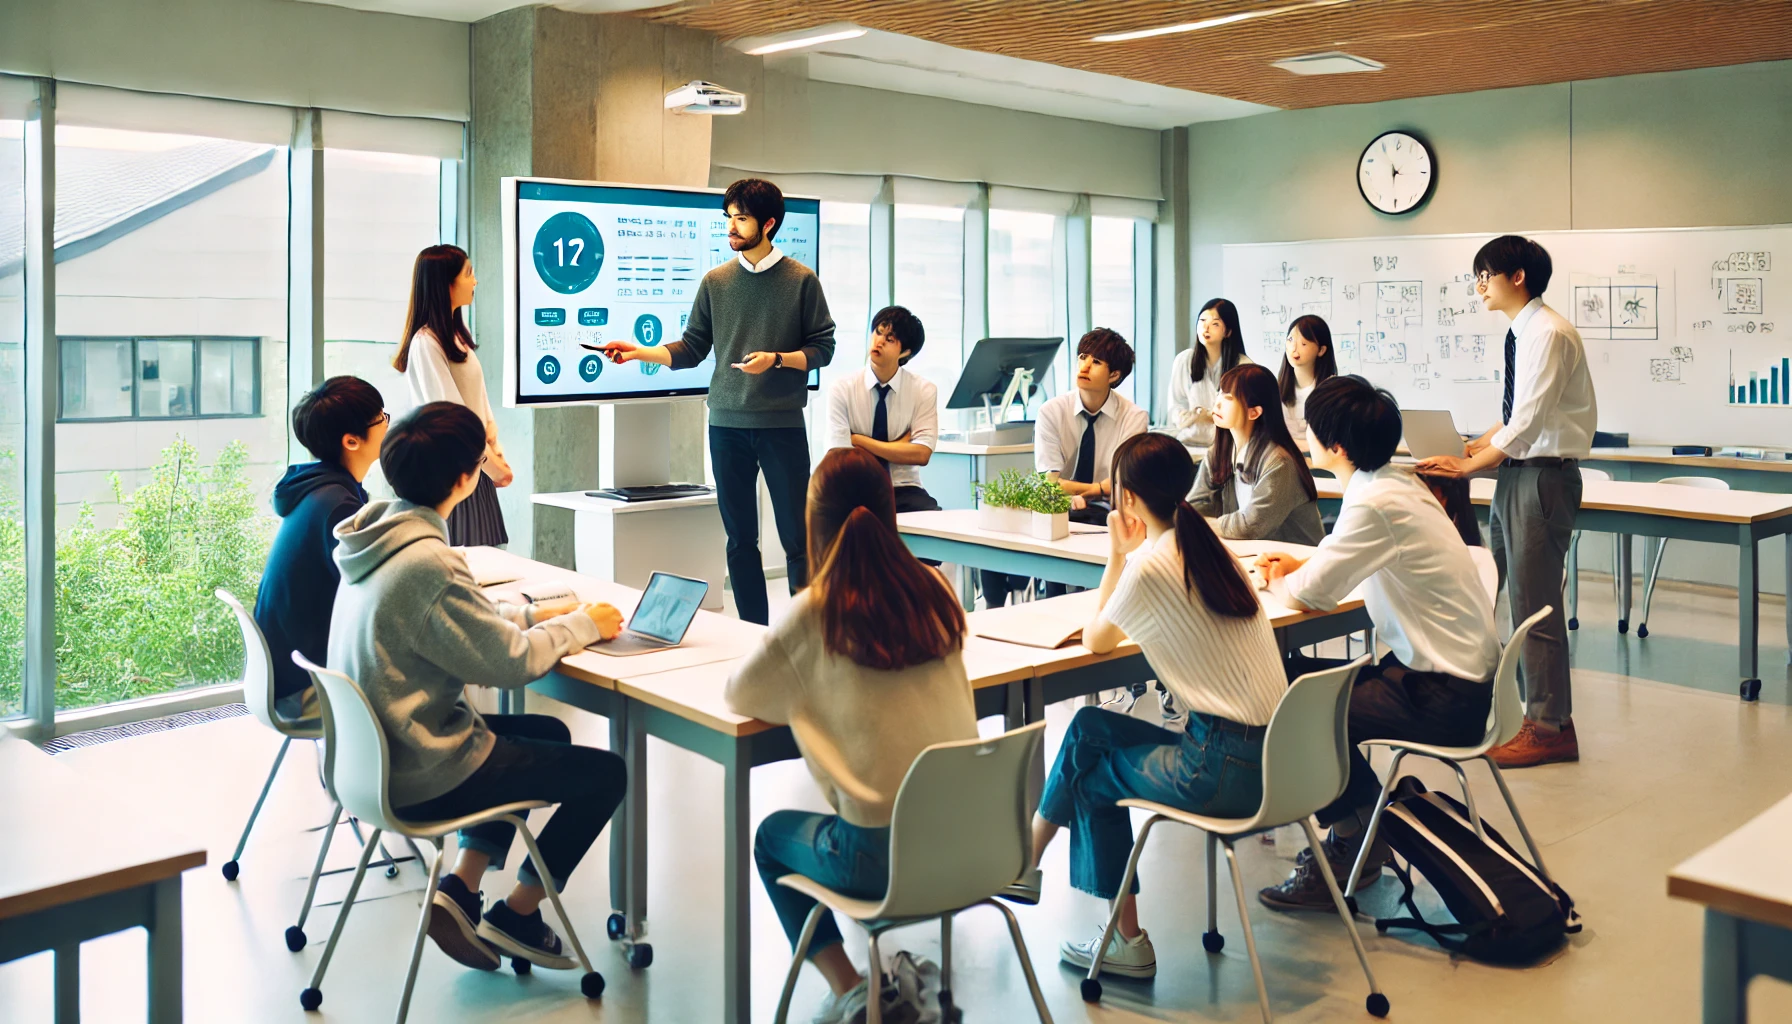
[{"x": 778, "y": 361}]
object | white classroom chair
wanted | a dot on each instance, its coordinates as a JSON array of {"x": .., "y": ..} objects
[
  {"x": 1306, "y": 762},
  {"x": 258, "y": 694},
  {"x": 1503, "y": 722},
  {"x": 1709, "y": 483},
  {"x": 360, "y": 770},
  {"x": 1571, "y": 576},
  {"x": 961, "y": 832}
]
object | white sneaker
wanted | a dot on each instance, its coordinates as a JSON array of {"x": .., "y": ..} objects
[
  {"x": 1127, "y": 958},
  {"x": 840, "y": 1007},
  {"x": 1173, "y": 716}
]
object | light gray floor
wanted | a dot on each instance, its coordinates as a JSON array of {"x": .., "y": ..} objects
[{"x": 1666, "y": 769}]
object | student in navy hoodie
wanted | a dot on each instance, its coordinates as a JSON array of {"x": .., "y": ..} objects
[{"x": 342, "y": 422}]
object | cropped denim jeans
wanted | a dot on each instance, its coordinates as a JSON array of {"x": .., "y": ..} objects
[
  {"x": 848, "y": 859},
  {"x": 1213, "y": 768}
]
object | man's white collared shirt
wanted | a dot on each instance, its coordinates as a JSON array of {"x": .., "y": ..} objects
[
  {"x": 1058, "y": 433},
  {"x": 1554, "y": 411},
  {"x": 770, "y": 261},
  {"x": 912, "y": 408}
]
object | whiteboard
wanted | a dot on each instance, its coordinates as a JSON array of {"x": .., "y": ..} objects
[{"x": 1674, "y": 321}]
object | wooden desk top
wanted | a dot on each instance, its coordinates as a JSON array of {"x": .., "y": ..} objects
[
  {"x": 64, "y": 837},
  {"x": 579, "y": 501},
  {"x": 1663, "y": 455},
  {"x": 1743, "y": 873},
  {"x": 1646, "y": 498},
  {"x": 966, "y": 448}
]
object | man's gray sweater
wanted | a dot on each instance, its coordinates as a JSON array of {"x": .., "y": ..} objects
[{"x": 779, "y": 309}]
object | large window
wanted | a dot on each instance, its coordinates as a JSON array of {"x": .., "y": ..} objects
[
  {"x": 1026, "y": 281},
  {"x": 12, "y": 404},
  {"x": 930, "y": 282},
  {"x": 1113, "y": 280},
  {"x": 846, "y": 280},
  {"x": 160, "y": 378}
]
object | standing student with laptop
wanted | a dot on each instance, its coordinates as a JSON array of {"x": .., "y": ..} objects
[
  {"x": 1423, "y": 592},
  {"x": 1548, "y": 414},
  {"x": 1196, "y": 371},
  {"x": 866, "y": 666},
  {"x": 889, "y": 411},
  {"x": 1254, "y": 481},
  {"x": 1075, "y": 436},
  {"x": 1307, "y": 360}
]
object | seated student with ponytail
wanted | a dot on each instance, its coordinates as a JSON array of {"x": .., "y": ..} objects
[
  {"x": 1422, "y": 591},
  {"x": 1307, "y": 360},
  {"x": 1187, "y": 601},
  {"x": 867, "y": 668},
  {"x": 1254, "y": 481}
]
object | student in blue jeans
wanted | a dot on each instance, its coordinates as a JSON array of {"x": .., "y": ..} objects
[
  {"x": 1172, "y": 586},
  {"x": 867, "y": 668}
]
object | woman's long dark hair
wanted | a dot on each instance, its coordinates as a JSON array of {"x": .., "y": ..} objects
[
  {"x": 1314, "y": 329},
  {"x": 1452, "y": 493},
  {"x": 880, "y": 606},
  {"x": 1158, "y": 470},
  {"x": 1231, "y": 346},
  {"x": 1252, "y": 387},
  {"x": 432, "y": 279}
]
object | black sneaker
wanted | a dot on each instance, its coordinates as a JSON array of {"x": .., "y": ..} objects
[
  {"x": 454, "y": 925},
  {"x": 1305, "y": 889},
  {"x": 526, "y": 936}
]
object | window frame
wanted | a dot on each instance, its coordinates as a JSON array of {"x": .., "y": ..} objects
[{"x": 197, "y": 341}]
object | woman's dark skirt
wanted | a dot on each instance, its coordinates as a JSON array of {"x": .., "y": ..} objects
[{"x": 478, "y": 520}]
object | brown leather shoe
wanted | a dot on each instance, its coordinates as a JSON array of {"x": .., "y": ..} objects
[{"x": 1533, "y": 746}]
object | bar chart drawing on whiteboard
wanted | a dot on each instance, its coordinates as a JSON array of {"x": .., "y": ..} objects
[{"x": 1771, "y": 387}]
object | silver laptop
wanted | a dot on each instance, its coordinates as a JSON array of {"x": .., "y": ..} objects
[
  {"x": 1431, "y": 432},
  {"x": 667, "y": 608}
]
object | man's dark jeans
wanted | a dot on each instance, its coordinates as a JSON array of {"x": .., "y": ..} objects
[{"x": 737, "y": 455}]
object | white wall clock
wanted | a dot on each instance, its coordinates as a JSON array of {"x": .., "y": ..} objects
[{"x": 1396, "y": 172}]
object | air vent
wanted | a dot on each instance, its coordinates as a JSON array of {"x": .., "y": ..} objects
[{"x": 1333, "y": 63}]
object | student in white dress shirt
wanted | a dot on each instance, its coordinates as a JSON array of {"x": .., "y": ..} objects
[
  {"x": 887, "y": 410},
  {"x": 1546, "y": 427},
  {"x": 1422, "y": 590},
  {"x": 1307, "y": 360},
  {"x": 1196, "y": 371},
  {"x": 1074, "y": 436}
]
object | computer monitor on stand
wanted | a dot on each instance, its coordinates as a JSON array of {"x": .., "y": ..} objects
[{"x": 1000, "y": 372}]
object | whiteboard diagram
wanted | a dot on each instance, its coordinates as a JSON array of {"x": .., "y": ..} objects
[{"x": 1616, "y": 309}]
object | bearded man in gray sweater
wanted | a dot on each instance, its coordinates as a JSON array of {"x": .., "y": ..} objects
[{"x": 764, "y": 316}]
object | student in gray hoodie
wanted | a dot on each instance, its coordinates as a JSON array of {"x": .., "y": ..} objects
[{"x": 412, "y": 628}]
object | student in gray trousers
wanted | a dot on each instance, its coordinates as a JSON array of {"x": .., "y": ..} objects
[{"x": 1546, "y": 427}]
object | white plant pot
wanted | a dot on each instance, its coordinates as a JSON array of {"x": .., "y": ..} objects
[
  {"x": 1003, "y": 520},
  {"x": 1050, "y": 526}
]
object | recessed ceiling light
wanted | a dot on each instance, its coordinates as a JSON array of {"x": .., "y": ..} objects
[
  {"x": 1226, "y": 19},
  {"x": 759, "y": 46},
  {"x": 1334, "y": 62}
]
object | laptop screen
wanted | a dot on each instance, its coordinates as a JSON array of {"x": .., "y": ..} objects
[{"x": 668, "y": 606}]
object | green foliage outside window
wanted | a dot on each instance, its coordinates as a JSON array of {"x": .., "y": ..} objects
[{"x": 135, "y": 615}]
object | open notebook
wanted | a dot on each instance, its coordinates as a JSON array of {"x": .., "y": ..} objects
[{"x": 1051, "y": 624}]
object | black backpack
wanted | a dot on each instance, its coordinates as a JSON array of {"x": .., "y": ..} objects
[{"x": 1506, "y": 911}]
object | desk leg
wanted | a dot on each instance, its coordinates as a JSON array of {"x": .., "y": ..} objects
[
  {"x": 68, "y": 983},
  {"x": 1621, "y": 578},
  {"x": 737, "y": 891},
  {"x": 1035, "y": 712},
  {"x": 1748, "y": 612},
  {"x": 628, "y": 830},
  {"x": 165, "y": 953},
  {"x": 1788, "y": 584}
]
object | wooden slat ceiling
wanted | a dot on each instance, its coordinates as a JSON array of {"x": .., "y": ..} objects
[{"x": 1430, "y": 47}]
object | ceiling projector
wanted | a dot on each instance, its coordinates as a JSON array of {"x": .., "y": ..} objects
[{"x": 700, "y": 97}]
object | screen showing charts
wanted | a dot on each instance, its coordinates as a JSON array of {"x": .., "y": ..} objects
[{"x": 600, "y": 263}]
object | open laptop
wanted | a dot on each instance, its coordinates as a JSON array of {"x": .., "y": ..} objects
[
  {"x": 667, "y": 607},
  {"x": 1431, "y": 432}
]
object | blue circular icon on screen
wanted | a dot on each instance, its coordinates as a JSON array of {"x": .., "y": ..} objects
[
  {"x": 590, "y": 368},
  {"x": 548, "y": 370},
  {"x": 648, "y": 329},
  {"x": 568, "y": 253}
]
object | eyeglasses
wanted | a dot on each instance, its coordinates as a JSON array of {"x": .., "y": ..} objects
[
  {"x": 385, "y": 417},
  {"x": 1485, "y": 276}
]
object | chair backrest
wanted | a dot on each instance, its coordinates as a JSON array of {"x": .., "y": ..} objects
[
  {"x": 1507, "y": 714},
  {"x": 358, "y": 766},
  {"x": 1306, "y": 752},
  {"x": 1594, "y": 474},
  {"x": 962, "y": 825},
  {"x": 258, "y": 664},
  {"x": 1709, "y": 483}
]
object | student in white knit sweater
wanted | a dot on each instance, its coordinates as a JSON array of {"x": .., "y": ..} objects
[
  {"x": 867, "y": 668},
  {"x": 1171, "y": 585}
]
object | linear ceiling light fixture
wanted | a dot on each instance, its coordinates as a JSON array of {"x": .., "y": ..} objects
[
  {"x": 1225, "y": 19},
  {"x": 760, "y": 46}
]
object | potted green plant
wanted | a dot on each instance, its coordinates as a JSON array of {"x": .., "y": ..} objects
[
  {"x": 1002, "y": 502},
  {"x": 1050, "y": 508}
]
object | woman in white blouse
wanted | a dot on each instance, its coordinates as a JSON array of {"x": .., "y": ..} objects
[
  {"x": 439, "y": 364},
  {"x": 1195, "y": 372},
  {"x": 1307, "y": 360}
]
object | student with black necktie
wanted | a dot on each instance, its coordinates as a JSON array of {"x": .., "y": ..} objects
[
  {"x": 888, "y": 410},
  {"x": 1547, "y": 416},
  {"x": 1075, "y": 435}
]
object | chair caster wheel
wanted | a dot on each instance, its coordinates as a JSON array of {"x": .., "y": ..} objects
[
  {"x": 615, "y": 926},
  {"x": 1751, "y": 689},
  {"x": 1213, "y": 942},
  {"x": 521, "y": 966},
  {"x": 1382, "y": 928},
  {"x": 1623, "y": 626},
  {"x": 592, "y": 985},
  {"x": 295, "y": 938},
  {"x": 1574, "y": 623},
  {"x": 311, "y": 999},
  {"x": 1377, "y": 1004},
  {"x": 1642, "y": 630},
  {"x": 230, "y": 870},
  {"x": 392, "y": 871},
  {"x": 949, "y": 1013},
  {"x": 1350, "y": 903},
  {"x": 1091, "y": 990},
  {"x": 640, "y": 955}
]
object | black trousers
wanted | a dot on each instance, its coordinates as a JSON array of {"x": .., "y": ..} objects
[
  {"x": 737, "y": 455},
  {"x": 1390, "y": 702}
]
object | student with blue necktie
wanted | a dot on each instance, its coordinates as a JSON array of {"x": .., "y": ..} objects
[{"x": 888, "y": 410}]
